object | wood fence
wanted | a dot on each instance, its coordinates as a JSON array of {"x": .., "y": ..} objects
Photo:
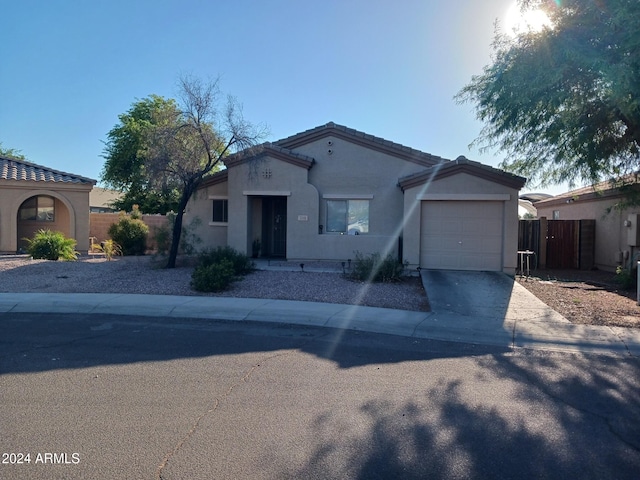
[{"x": 568, "y": 244}]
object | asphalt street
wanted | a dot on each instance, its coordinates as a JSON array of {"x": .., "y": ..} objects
[{"x": 89, "y": 396}]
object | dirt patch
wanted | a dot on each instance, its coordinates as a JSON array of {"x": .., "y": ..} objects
[{"x": 585, "y": 297}]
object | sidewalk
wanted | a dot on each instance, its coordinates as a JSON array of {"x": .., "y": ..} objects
[{"x": 527, "y": 322}]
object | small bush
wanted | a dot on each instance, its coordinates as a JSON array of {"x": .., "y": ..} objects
[
  {"x": 241, "y": 263},
  {"x": 109, "y": 248},
  {"x": 213, "y": 278},
  {"x": 50, "y": 245},
  {"x": 373, "y": 268},
  {"x": 131, "y": 234},
  {"x": 625, "y": 278}
]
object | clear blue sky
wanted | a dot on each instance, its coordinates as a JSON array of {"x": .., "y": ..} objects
[{"x": 391, "y": 69}]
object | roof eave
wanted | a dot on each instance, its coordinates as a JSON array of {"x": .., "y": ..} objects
[{"x": 362, "y": 139}]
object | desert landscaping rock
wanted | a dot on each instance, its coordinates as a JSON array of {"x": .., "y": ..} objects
[
  {"x": 582, "y": 297},
  {"x": 145, "y": 275}
]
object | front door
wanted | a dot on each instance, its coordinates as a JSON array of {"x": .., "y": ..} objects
[{"x": 274, "y": 226}]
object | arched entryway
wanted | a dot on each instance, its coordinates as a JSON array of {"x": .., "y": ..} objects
[{"x": 41, "y": 212}]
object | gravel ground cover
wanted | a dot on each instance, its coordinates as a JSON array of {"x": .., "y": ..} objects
[
  {"x": 591, "y": 297},
  {"x": 584, "y": 297},
  {"x": 144, "y": 275}
]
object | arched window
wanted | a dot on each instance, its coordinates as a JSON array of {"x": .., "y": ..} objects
[{"x": 38, "y": 209}]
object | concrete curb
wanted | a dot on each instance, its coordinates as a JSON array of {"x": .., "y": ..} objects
[{"x": 527, "y": 326}]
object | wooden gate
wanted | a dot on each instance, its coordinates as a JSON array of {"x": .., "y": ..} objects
[
  {"x": 568, "y": 243},
  {"x": 563, "y": 244}
]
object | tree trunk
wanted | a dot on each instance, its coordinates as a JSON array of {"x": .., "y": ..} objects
[{"x": 177, "y": 230}]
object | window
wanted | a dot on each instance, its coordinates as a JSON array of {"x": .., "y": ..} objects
[
  {"x": 348, "y": 216},
  {"x": 220, "y": 211},
  {"x": 38, "y": 209},
  {"x": 556, "y": 214}
]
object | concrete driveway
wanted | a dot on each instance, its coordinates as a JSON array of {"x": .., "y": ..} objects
[{"x": 471, "y": 294}]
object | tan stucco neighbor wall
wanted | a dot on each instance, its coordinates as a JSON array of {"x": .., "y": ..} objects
[{"x": 74, "y": 216}]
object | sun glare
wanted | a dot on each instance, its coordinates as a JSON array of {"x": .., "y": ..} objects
[{"x": 517, "y": 21}]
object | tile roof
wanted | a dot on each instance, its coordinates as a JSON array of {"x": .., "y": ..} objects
[
  {"x": 463, "y": 164},
  {"x": 606, "y": 188},
  {"x": 371, "y": 141},
  {"x": 21, "y": 170}
]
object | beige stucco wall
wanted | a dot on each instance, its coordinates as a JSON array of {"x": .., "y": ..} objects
[
  {"x": 461, "y": 186},
  {"x": 72, "y": 210},
  {"x": 345, "y": 168},
  {"x": 286, "y": 180},
  {"x": 611, "y": 234},
  {"x": 200, "y": 207}
]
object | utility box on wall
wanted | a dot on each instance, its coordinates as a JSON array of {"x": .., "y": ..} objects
[{"x": 633, "y": 232}]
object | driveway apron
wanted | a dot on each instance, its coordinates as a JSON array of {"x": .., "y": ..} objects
[{"x": 471, "y": 294}]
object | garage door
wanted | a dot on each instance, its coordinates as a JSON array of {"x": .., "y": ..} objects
[{"x": 461, "y": 235}]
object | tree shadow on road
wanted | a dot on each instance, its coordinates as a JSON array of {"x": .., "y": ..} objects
[
  {"x": 42, "y": 342},
  {"x": 579, "y": 421}
]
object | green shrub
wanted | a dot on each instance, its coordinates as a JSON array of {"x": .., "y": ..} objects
[
  {"x": 373, "y": 268},
  {"x": 213, "y": 278},
  {"x": 50, "y": 245},
  {"x": 625, "y": 278},
  {"x": 131, "y": 234},
  {"x": 240, "y": 262}
]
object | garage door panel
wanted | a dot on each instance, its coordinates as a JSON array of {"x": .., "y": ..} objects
[{"x": 461, "y": 235}]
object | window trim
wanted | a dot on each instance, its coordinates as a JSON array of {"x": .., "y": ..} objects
[
  {"x": 225, "y": 210},
  {"x": 346, "y": 198}
]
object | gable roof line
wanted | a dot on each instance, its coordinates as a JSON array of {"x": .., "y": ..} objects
[
  {"x": 462, "y": 165},
  {"x": 272, "y": 150},
  {"x": 22, "y": 170},
  {"x": 360, "y": 138},
  {"x": 218, "y": 177},
  {"x": 605, "y": 189}
]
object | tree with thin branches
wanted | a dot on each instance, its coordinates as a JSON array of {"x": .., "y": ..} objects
[{"x": 185, "y": 145}]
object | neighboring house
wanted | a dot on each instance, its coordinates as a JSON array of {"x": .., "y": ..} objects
[
  {"x": 101, "y": 200},
  {"x": 329, "y": 192},
  {"x": 33, "y": 197},
  {"x": 617, "y": 237},
  {"x": 526, "y": 204}
]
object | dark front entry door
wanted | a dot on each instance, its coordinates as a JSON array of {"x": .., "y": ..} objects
[{"x": 274, "y": 226}]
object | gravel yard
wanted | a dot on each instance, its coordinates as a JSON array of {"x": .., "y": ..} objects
[
  {"x": 94, "y": 274},
  {"x": 586, "y": 297}
]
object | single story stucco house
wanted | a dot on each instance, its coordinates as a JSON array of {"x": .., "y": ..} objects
[
  {"x": 331, "y": 191},
  {"x": 33, "y": 197}
]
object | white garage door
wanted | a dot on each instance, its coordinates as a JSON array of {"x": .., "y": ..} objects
[{"x": 461, "y": 235}]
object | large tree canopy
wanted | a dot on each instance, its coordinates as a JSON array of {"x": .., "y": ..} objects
[
  {"x": 563, "y": 103},
  {"x": 125, "y": 153}
]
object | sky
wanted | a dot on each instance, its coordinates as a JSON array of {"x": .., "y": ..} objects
[{"x": 68, "y": 69}]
